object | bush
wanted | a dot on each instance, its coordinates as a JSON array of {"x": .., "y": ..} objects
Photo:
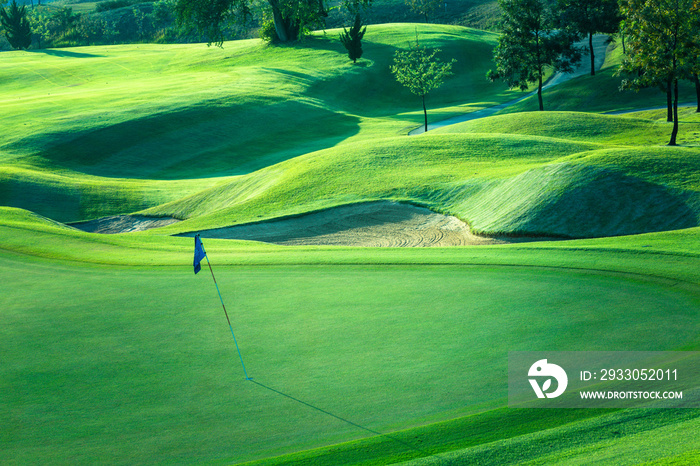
[
  {"x": 267, "y": 30},
  {"x": 113, "y": 5}
]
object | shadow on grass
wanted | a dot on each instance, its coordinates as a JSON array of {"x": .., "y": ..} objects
[
  {"x": 407, "y": 445},
  {"x": 65, "y": 53},
  {"x": 211, "y": 139}
]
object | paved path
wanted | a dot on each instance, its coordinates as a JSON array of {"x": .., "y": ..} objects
[{"x": 599, "y": 47}]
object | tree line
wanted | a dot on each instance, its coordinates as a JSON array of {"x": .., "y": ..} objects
[{"x": 661, "y": 39}]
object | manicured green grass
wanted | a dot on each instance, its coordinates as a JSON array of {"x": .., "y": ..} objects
[
  {"x": 627, "y": 438},
  {"x": 641, "y": 129},
  {"x": 668, "y": 255},
  {"x": 126, "y": 110},
  {"x": 526, "y": 437},
  {"x": 558, "y": 174},
  {"x": 114, "y": 356},
  {"x": 157, "y": 112},
  {"x": 422, "y": 169},
  {"x": 69, "y": 196}
]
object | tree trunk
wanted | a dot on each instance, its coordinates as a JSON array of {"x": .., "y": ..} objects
[
  {"x": 675, "y": 113},
  {"x": 669, "y": 100},
  {"x": 425, "y": 113},
  {"x": 622, "y": 35},
  {"x": 286, "y": 29},
  {"x": 280, "y": 27},
  {"x": 697, "y": 91},
  {"x": 590, "y": 46},
  {"x": 539, "y": 93}
]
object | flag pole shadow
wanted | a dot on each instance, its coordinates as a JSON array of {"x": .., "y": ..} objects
[{"x": 347, "y": 421}]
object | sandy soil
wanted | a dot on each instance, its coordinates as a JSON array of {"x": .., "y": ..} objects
[
  {"x": 372, "y": 224},
  {"x": 122, "y": 224}
]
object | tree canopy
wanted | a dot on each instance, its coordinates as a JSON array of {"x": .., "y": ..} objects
[
  {"x": 662, "y": 45},
  {"x": 16, "y": 26},
  {"x": 352, "y": 39},
  {"x": 588, "y": 17},
  {"x": 290, "y": 17},
  {"x": 420, "y": 71},
  {"x": 424, "y": 7},
  {"x": 530, "y": 42}
]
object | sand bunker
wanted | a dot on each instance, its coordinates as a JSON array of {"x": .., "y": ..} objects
[
  {"x": 122, "y": 224},
  {"x": 372, "y": 224}
]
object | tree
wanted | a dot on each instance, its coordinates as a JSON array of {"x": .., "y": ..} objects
[
  {"x": 420, "y": 71},
  {"x": 589, "y": 17},
  {"x": 290, "y": 17},
  {"x": 662, "y": 45},
  {"x": 352, "y": 39},
  {"x": 695, "y": 70},
  {"x": 210, "y": 16},
  {"x": 16, "y": 26},
  {"x": 424, "y": 7},
  {"x": 529, "y": 43}
]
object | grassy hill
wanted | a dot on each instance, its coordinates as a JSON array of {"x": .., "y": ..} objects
[
  {"x": 187, "y": 111},
  {"x": 591, "y": 175},
  {"x": 113, "y": 351}
]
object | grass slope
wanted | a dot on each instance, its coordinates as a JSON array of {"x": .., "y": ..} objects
[
  {"x": 125, "y": 110},
  {"x": 175, "y": 112},
  {"x": 67, "y": 196},
  {"x": 558, "y": 173}
]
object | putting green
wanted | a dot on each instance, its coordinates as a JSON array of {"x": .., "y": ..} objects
[{"x": 138, "y": 365}]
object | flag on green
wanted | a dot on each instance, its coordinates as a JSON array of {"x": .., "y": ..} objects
[{"x": 199, "y": 254}]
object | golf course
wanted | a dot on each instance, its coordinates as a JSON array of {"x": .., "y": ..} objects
[{"x": 375, "y": 280}]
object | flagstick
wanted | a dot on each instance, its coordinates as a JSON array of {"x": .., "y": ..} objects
[{"x": 227, "y": 319}]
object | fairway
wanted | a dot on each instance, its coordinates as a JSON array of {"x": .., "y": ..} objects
[{"x": 335, "y": 352}]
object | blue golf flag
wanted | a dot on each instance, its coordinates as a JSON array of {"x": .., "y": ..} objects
[{"x": 199, "y": 254}]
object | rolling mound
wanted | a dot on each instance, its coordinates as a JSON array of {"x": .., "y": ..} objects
[
  {"x": 501, "y": 184},
  {"x": 122, "y": 224},
  {"x": 577, "y": 200},
  {"x": 155, "y": 111},
  {"x": 574, "y": 126}
]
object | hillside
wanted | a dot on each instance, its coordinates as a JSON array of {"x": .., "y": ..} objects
[
  {"x": 500, "y": 183},
  {"x": 147, "y": 112}
]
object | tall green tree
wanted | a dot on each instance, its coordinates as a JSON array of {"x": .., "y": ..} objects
[
  {"x": 529, "y": 43},
  {"x": 210, "y": 17},
  {"x": 291, "y": 17},
  {"x": 424, "y": 7},
  {"x": 662, "y": 45},
  {"x": 695, "y": 70},
  {"x": 421, "y": 72},
  {"x": 16, "y": 25},
  {"x": 352, "y": 39},
  {"x": 696, "y": 80},
  {"x": 589, "y": 17}
]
